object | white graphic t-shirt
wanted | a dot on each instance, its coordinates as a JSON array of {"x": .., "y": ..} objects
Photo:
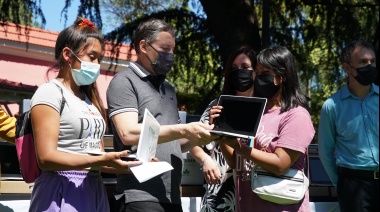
[{"x": 81, "y": 125}]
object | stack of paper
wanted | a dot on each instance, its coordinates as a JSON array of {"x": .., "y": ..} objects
[{"x": 146, "y": 150}]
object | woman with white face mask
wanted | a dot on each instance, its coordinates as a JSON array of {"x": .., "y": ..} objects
[{"x": 68, "y": 122}]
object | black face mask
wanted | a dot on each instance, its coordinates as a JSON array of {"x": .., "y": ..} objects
[
  {"x": 264, "y": 86},
  {"x": 241, "y": 79},
  {"x": 163, "y": 63},
  {"x": 366, "y": 75}
]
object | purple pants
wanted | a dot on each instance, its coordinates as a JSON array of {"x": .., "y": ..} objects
[{"x": 69, "y": 191}]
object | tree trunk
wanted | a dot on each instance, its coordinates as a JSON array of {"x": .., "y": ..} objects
[{"x": 233, "y": 23}]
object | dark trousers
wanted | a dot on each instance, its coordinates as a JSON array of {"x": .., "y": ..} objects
[
  {"x": 148, "y": 207},
  {"x": 357, "y": 192}
]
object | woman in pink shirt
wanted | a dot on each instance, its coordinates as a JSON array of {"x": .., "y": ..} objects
[{"x": 284, "y": 134}]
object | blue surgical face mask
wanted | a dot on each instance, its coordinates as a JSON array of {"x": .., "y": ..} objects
[{"x": 87, "y": 74}]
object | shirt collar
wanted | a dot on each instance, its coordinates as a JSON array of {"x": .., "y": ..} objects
[
  {"x": 139, "y": 70},
  {"x": 143, "y": 73},
  {"x": 346, "y": 92},
  {"x": 375, "y": 89}
]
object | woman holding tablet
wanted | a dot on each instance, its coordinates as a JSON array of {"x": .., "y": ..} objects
[
  {"x": 239, "y": 74},
  {"x": 285, "y": 132}
]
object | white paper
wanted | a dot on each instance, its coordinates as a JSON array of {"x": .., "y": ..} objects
[
  {"x": 150, "y": 130},
  {"x": 146, "y": 149},
  {"x": 182, "y": 116},
  {"x": 148, "y": 170}
]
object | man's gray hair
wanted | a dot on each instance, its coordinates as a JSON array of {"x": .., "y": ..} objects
[{"x": 149, "y": 30}]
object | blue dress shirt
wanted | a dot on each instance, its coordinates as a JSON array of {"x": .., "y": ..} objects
[{"x": 348, "y": 134}]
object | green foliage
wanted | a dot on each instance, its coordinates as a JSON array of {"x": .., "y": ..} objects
[
  {"x": 123, "y": 11},
  {"x": 21, "y": 12},
  {"x": 314, "y": 31},
  {"x": 195, "y": 74},
  {"x": 88, "y": 8}
]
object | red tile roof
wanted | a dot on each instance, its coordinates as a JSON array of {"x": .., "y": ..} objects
[
  {"x": 7, "y": 84},
  {"x": 46, "y": 38}
]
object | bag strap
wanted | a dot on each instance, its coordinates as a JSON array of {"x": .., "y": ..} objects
[
  {"x": 307, "y": 163},
  {"x": 26, "y": 116}
]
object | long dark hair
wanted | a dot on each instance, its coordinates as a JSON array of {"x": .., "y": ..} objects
[
  {"x": 227, "y": 89},
  {"x": 281, "y": 60},
  {"x": 78, "y": 37}
]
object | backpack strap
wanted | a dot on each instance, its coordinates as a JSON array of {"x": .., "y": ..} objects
[{"x": 63, "y": 98}]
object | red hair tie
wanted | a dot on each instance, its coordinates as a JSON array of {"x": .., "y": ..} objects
[{"x": 86, "y": 22}]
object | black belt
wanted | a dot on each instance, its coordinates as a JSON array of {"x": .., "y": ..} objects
[{"x": 363, "y": 174}]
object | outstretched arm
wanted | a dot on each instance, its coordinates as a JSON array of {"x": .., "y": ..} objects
[
  {"x": 7, "y": 126},
  {"x": 129, "y": 130}
]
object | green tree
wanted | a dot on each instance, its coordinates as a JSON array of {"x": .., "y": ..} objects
[
  {"x": 314, "y": 31},
  {"x": 308, "y": 31},
  {"x": 21, "y": 12},
  {"x": 192, "y": 77},
  {"x": 123, "y": 11}
]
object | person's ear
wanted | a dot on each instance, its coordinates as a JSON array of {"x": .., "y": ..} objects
[
  {"x": 66, "y": 54},
  {"x": 280, "y": 79},
  {"x": 283, "y": 79},
  {"x": 142, "y": 46},
  {"x": 253, "y": 74},
  {"x": 346, "y": 67}
]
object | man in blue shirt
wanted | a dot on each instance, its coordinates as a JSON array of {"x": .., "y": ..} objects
[{"x": 349, "y": 132}]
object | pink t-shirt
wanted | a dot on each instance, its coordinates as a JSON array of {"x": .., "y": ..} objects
[{"x": 292, "y": 130}]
